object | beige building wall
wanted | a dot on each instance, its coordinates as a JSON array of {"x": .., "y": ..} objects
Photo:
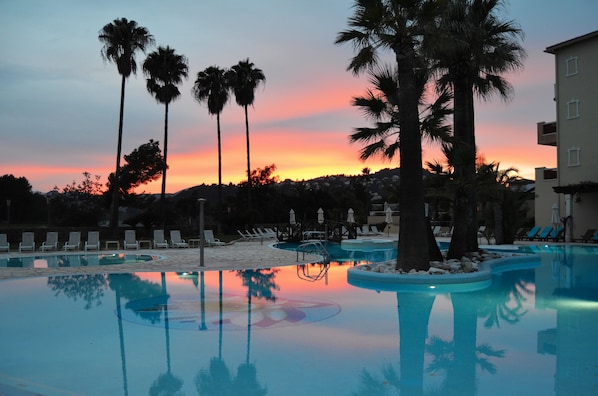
[
  {"x": 576, "y": 99},
  {"x": 545, "y": 198},
  {"x": 577, "y": 112}
]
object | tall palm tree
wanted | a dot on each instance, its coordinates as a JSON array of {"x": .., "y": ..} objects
[
  {"x": 122, "y": 39},
  {"x": 244, "y": 78},
  {"x": 382, "y": 106},
  {"x": 211, "y": 87},
  {"x": 165, "y": 69},
  {"x": 475, "y": 49},
  {"x": 399, "y": 26}
]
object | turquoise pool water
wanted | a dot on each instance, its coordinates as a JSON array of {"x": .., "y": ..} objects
[{"x": 302, "y": 330}]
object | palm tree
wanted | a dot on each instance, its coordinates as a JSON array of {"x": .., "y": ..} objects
[
  {"x": 165, "y": 70},
  {"x": 475, "y": 48},
  {"x": 399, "y": 26},
  {"x": 382, "y": 106},
  {"x": 211, "y": 87},
  {"x": 121, "y": 39},
  {"x": 243, "y": 78}
]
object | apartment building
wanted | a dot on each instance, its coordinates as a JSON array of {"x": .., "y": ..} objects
[{"x": 573, "y": 185}]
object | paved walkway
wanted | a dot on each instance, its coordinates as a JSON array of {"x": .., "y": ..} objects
[{"x": 236, "y": 256}]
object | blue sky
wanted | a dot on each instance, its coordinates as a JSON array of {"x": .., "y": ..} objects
[{"x": 59, "y": 100}]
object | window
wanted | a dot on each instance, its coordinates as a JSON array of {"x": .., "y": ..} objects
[
  {"x": 571, "y": 65},
  {"x": 574, "y": 158},
  {"x": 572, "y": 109}
]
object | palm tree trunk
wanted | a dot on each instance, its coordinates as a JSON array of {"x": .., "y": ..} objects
[
  {"x": 413, "y": 239},
  {"x": 464, "y": 238},
  {"x": 219, "y": 209},
  {"x": 248, "y": 166},
  {"x": 499, "y": 234},
  {"x": 116, "y": 181},
  {"x": 163, "y": 193}
]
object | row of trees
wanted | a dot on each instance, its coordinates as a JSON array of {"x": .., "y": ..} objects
[
  {"x": 165, "y": 70},
  {"x": 459, "y": 47}
]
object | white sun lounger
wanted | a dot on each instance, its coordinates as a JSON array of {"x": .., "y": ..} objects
[
  {"x": 27, "y": 241},
  {"x": 93, "y": 241},
  {"x": 176, "y": 241},
  {"x": 51, "y": 242},
  {"x": 74, "y": 241},
  {"x": 131, "y": 240},
  {"x": 159, "y": 240}
]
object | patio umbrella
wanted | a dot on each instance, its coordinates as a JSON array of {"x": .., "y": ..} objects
[
  {"x": 388, "y": 219},
  {"x": 292, "y": 217},
  {"x": 320, "y": 215},
  {"x": 350, "y": 216},
  {"x": 556, "y": 218}
]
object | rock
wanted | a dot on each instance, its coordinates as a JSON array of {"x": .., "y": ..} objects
[{"x": 436, "y": 271}]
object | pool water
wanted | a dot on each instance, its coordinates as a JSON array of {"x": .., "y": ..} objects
[
  {"x": 302, "y": 330},
  {"x": 73, "y": 260}
]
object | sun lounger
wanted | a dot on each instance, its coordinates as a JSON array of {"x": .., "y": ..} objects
[
  {"x": 210, "y": 240},
  {"x": 243, "y": 236},
  {"x": 587, "y": 237},
  {"x": 27, "y": 241},
  {"x": 533, "y": 232},
  {"x": 4, "y": 244},
  {"x": 131, "y": 241},
  {"x": 176, "y": 241},
  {"x": 375, "y": 231},
  {"x": 93, "y": 241},
  {"x": 557, "y": 233},
  {"x": 545, "y": 233},
  {"x": 73, "y": 242},
  {"x": 159, "y": 240},
  {"x": 51, "y": 242}
]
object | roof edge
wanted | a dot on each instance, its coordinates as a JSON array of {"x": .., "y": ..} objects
[{"x": 556, "y": 47}]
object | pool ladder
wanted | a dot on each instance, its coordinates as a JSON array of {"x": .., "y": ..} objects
[{"x": 313, "y": 247}]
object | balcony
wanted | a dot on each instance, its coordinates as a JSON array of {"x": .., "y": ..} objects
[
  {"x": 547, "y": 133},
  {"x": 550, "y": 173}
]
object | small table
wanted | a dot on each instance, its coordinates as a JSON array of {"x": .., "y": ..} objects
[
  {"x": 145, "y": 244},
  {"x": 194, "y": 242},
  {"x": 115, "y": 244}
]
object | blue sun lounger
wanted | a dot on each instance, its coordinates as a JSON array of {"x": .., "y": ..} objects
[
  {"x": 533, "y": 232},
  {"x": 545, "y": 233},
  {"x": 557, "y": 233}
]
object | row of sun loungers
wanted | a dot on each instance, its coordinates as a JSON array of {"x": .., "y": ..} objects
[
  {"x": 547, "y": 233},
  {"x": 366, "y": 230},
  {"x": 93, "y": 241},
  {"x": 257, "y": 234}
]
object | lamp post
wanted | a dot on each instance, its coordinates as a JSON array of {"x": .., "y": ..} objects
[
  {"x": 201, "y": 236},
  {"x": 8, "y": 211}
]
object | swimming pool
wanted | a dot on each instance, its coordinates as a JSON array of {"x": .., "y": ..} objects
[
  {"x": 302, "y": 330},
  {"x": 73, "y": 260}
]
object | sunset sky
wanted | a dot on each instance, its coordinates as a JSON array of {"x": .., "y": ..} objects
[{"x": 59, "y": 100}]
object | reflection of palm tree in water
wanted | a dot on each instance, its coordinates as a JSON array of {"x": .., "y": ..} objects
[
  {"x": 130, "y": 287},
  {"x": 459, "y": 357},
  {"x": 504, "y": 299},
  {"x": 167, "y": 383},
  {"x": 218, "y": 379},
  {"x": 413, "y": 313},
  {"x": 260, "y": 284}
]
